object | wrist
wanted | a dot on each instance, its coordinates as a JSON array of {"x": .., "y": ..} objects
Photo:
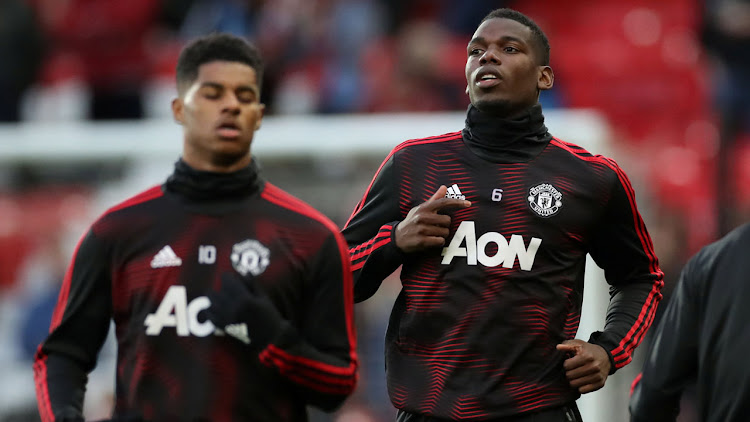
[{"x": 597, "y": 339}]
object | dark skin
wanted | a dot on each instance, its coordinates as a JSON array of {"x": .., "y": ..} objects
[
  {"x": 503, "y": 72},
  {"x": 424, "y": 227},
  {"x": 219, "y": 112},
  {"x": 504, "y": 77}
]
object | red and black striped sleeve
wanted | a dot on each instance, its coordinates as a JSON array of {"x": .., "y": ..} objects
[
  {"x": 78, "y": 330},
  {"x": 623, "y": 248},
  {"x": 370, "y": 232},
  {"x": 319, "y": 356}
]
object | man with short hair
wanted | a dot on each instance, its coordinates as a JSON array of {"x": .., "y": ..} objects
[
  {"x": 217, "y": 281},
  {"x": 491, "y": 226}
]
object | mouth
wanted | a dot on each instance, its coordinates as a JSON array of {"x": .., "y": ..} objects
[
  {"x": 228, "y": 130},
  {"x": 487, "y": 79}
]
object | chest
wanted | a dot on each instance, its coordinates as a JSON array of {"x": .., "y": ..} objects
[
  {"x": 180, "y": 257},
  {"x": 561, "y": 201}
]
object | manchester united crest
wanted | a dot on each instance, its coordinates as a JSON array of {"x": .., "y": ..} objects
[
  {"x": 250, "y": 256},
  {"x": 545, "y": 200}
]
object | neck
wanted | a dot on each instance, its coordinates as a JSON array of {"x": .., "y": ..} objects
[
  {"x": 504, "y": 110},
  {"x": 506, "y": 139},
  {"x": 198, "y": 184},
  {"x": 217, "y": 165}
]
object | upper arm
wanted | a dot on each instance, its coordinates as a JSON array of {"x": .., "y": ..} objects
[
  {"x": 82, "y": 315},
  {"x": 621, "y": 244}
]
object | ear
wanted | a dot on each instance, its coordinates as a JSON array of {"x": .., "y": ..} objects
[
  {"x": 546, "y": 78},
  {"x": 261, "y": 112},
  {"x": 178, "y": 107}
]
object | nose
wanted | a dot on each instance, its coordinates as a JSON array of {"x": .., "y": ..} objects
[
  {"x": 231, "y": 104},
  {"x": 489, "y": 56}
]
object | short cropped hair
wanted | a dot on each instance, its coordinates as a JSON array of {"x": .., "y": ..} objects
[
  {"x": 539, "y": 38},
  {"x": 216, "y": 47}
]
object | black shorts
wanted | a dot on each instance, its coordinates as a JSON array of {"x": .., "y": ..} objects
[{"x": 567, "y": 413}]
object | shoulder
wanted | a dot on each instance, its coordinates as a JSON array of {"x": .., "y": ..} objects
[
  {"x": 149, "y": 194},
  {"x": 735, "y": 243},
  {"x": 135, "y": 201},
  {"x": 598, "y": 166},
  {"x": 425, "y": 143},
  {"x": 293, "y": 208},
  {"x": 579, "y": 153}
]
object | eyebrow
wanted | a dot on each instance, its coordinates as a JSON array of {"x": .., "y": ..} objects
[
  {"x": 505, "y": 38},
  {"x": 219, "y": 86}
]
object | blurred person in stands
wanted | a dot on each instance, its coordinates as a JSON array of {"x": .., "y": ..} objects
[
  {"x": 703, "y": 338},
  {"x": 491, "y": 226},
  {"x": 726, "y": 38},
  {"x": 21, "y": 50},
  {"x": 218, "y": 282},
  {"x": 110, "y": 42}
]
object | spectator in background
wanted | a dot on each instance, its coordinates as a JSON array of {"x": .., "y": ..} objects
[
  {"x": 726, "y": 37},
  {"x": 21, "y": 49},
  {"x": 402, "y": 75},
  {"x": 109, "y": 42},
  {"x": 703, "y": 337}
]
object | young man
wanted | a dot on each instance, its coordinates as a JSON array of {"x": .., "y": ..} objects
[
  {"x": 703, "y": 338},
  {"x": 217, "y": 281},
  {"x": 493, "y": 265}
]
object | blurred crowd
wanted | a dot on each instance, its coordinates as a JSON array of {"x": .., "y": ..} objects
[
  {"x": 326, "y": 56},
  {"x": 669, "y": 76}
]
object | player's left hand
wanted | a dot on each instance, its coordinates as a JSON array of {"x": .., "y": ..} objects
[
  {"x": 588, "y": 366},
  {"x": 242, "y": 310}
]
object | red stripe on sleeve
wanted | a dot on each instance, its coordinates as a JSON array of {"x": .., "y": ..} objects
[
  {"x": 635, "y": 382},
  {"x": 62, "y": 298},
  {"x": 366, "y": 248},
  {"x": 648, "y": 310},
  {"x": 42, "y": 392},
  {"x": 385, "y": 231},
  {"x": 322, "y": 384},
  {"x": 320, "y": 367}
]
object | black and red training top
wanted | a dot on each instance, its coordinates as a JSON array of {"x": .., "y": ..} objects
[
  {"x": 149, "y": 263},
  {"x": 472, "y": 334}
]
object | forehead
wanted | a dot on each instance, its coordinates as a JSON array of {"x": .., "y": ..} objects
[
  {"x": 227, "y": 73},
  {"x": 496, "y": 29}
]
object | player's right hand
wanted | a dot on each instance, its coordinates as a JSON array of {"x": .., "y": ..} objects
[{"x": 424, "y": 226}]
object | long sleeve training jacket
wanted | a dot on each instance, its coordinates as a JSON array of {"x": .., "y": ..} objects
[
  {"x": 472, "y": 334},
  {"x": 702, "y": 338},
  {"x": 150, "y": 263}
]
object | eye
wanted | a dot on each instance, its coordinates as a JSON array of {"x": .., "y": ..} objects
[
  {"x": 475, "y": 52},
  {"x": 211, "y": 93},
  {"x": 246, "y": 96},
  {"x": 511, "y": 49}
]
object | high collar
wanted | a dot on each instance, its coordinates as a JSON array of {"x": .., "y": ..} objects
[
  {"x": 205, "y": 185},
  {"x": 506, "y": 140}
]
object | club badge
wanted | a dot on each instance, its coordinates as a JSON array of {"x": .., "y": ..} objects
[
  {"x": 250, "y": 256},
  {"x": 545, "y": 200}
]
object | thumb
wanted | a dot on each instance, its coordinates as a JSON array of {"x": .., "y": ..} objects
[
  {"x": 440, "y": 193},
  {"x": 568, "y": 346}
]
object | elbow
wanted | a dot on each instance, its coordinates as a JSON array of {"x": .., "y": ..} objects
[{"x": 332, "y": 401}]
